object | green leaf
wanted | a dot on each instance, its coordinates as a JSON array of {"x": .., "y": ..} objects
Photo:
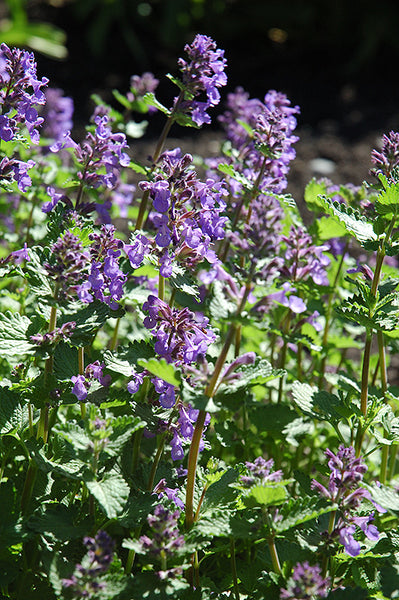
[
  {"x": 220, "y": 307},
  {"x": 13, "y": 335},
  {"x": 227, "y": 169},
  {"x": 183, "y": 281},
  {"x": 265, "y": 495},
  {"x": 387, "y": 202},
  {"x": 88, "y": 319},
  {"x": 313, "y": 191},
  {"x": 126, "y": 357},
  {"x": 111, "y": 492},
  {"x": 66, "y": 362},
  {"x": 197, "y": 399},
  {"x": 297, "y": 511},
  {"x": 384, "y": 495},
  {"x": 354, "y": 223},
  {"x": 160, "y": 368},
  {"x": 123, "y": 428},
  {"x": 58, "y": 522},
  {"x": 14, "y": 414},
  {"x": 151, "y": 100}
]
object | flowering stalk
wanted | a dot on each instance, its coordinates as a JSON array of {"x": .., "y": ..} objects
[
  {"x": 156, "y": 155},
  {"x": 209, "y": 392},
  {"x": 367, "y": 347}
]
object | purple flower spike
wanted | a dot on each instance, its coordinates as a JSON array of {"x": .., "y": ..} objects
[
  {"x": 180, "y": 335},
  {"x": 305, "y": 583},
  {"x": 202, "y": 74},
  {"x": 344, "y": 489},
  {"x": 20, "y": 93}
]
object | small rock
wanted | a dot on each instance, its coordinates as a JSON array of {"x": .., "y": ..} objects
[{"x": 322, "y": 166}]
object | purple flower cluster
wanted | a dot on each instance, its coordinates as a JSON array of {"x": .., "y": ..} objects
[
  {"x": 82, "y": 383},
  {"x": 202, "y": 74},
  {"x": 17, "y": 102},
  {"x": 105, "y": 279},
  {"x": 260, "y": 472},
  {"x": 59, "y": 334},
  {"x": 84, "y": 582},
  {"x": 303, "y": 259},
  {"x": 12, "y": 169},
  {"x": 273, "y": 123},
  {"x": 101, "y": 154},
  {"x": 187, "y": 213},
  {"x": 166, "y": 537},
  {"x": 139, "y": 86},
  {"x": 183, "y": 430},
  {"x": 387, "y": 159},
  {"x": 57, "y": 114},
  {"x": 67, "y": 264},
  {"x": 306, "y": 583},
  {"x": 344, "y": 489},
  {"x": 181, "y": 336}
]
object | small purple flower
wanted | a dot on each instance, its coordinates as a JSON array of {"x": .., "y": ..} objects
[
  {"x": 80, "y": 387},
  {"x": 305, "y": 583},
  {"x": 67, "y": 264},
  {"x": 84, "y": 581},
  {"x": 387, "y": 158},
  {"x": 57, "y": 114},
  {"x": 18, "y": 256},
  {"x": 260, "y": 472}
]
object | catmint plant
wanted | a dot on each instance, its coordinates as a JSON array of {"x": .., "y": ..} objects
[{"x": 193, "y": 381}]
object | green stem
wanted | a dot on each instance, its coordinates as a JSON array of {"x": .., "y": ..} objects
[
  {"x": 325, "y": 561},
  {"x": 234, "y": 569},
  {"x": 274, "y": 556},
  {"x": 328, "y": 317},
  {"x": 156, "y": 155},
  {"x": 28, "y": 486},
  {"x": 81, "y": 366},
  {"x": 114, "y": 341},
  {"x": 365, "y": 373},
  {"x": 136, "y": 449},
  {"x": 209, "y": 392},
  {"x": 155, "y": 464},
  {"x": 161, "y": 287}
]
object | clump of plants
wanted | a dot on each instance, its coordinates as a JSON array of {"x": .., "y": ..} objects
[{"x": 198, "y": 393}]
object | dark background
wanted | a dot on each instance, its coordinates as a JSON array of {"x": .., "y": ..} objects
[{"x": 336, "y": 59}]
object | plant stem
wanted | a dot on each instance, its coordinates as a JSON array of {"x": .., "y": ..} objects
[
  {"x": 234, "y": 569},
  {"x": 81, "y": 366},
  {"x": 156, "y": 155},
  {"x": 209, "y": 392}
]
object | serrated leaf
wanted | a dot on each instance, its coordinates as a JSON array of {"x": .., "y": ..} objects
[
  {"x": 13, "y": 335},
  {"x": 160, "y": 368},
  {"x": 72, "y": 468},
  {"x": 197, "y": 399},
  {"x": 387, "y": 201},
  {"x": 58, "y": 522},
  {"x": 88, "y": 319},
  {"x": 220, "y": 307},
  {"x": 248, "y": 375},
  {"x": 384, "y": 495},
  {"x": 127, "y": 357},
  {"x": 66, "y": 363},
  {"x": 14, "y": 414},
  {"x": 111, "y": 492},
  {"x": 182, "y": 280},
  {"x": 300, "y": 510},
  {"x": 352, "y": 220}
]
